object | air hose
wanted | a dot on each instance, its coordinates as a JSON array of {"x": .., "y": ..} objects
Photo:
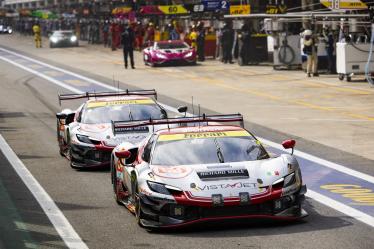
[{"x": 282, "y": 53}]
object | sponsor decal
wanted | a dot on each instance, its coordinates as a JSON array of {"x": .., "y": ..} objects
[
  {"x": 131, "y": 129},
  {"x": 198, "y": 135},
  {"x": 356, "y": 193},
  {"x": 171, "y": 171},
  {"x": 172, "y": 9},
  {"x": 223, "y": 174},
  {"x": 95, "y": 104},
  {"x": 237, "y": 185},
  {"x": 344, "y": 4},
  {"x": 240, "y": 9},
  {"x": 219, "y": 166},
  {"x": 275, "y": 173}
]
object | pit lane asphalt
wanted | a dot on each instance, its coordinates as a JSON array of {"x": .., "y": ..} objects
[{"x": 28, "y": 105}]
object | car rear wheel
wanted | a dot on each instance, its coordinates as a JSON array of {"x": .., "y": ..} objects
[{"x": 137, "y": 203}]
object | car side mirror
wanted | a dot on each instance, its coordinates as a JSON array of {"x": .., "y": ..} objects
[
  {"x": 125, "y": 154},
  {"x": 61, "y": 115},
  {"x": 127, "y": 157},
  {"x": 183, "y": 109},
  {"x": 289, "y": 144}
]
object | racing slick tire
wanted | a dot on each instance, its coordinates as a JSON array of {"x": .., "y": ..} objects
[
  {"x": 58, "y": 139},
  {"x": 137, "y": 202},
  {"x": 115, "y": 184}
]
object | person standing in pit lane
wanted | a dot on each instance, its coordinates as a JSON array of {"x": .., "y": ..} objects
[
  {"x": 201, "y": 42},
  {"x": 310, "y": 49},
  {"x": 37, "y": 35},
  {"x": 227, "y": 42},
  {"x": 193, "y": 37},
  {"x": 128, "y": 40}
]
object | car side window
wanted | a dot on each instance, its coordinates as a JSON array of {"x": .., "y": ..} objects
[{"x": 148, "y": 149}]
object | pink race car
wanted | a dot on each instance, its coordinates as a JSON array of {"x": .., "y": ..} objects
[{"x": 169, "y": 53}]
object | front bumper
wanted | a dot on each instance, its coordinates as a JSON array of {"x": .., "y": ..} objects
[
  {"x": 162, "y": 214},
  {"x": 64, "y": 43},
  {"x": 86, "y": 157},
  {"x": 175, "y": 61}
]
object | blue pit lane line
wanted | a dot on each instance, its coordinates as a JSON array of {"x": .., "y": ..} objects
[{"x": 343, "y": 189}]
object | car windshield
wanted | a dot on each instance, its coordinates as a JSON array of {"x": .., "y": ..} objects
[
  {"x": 125, "y": 112},
  {"x": 208, "y": 151},
  {"x": 63, "y": 33},
  {"x": 171, "y": 45}
]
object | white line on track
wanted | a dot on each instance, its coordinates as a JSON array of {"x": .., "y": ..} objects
[
  {"x": 57, "y": 218},
  {"x": 356, "y": 214},
  {"x": 314, "y": 195}
]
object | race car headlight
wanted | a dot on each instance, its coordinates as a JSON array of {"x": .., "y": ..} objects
[
  {"x": 161, "y": 56},
  {"x": 53, "y": 39},
  {"x": 162, "y": 188},
  {"x": 83, "y": 139},
  {"x": 289, "y": 180},
  {"x": 10, "y": 31},
  {"x": 285, "y": 181},
  {"x": 188, "y": 54},
  {"x": 87, "y": 140},
  {"x": 158, "y": 188},
  {"x": 73, "y": 38}
]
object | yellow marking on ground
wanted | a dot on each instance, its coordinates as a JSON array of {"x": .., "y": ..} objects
[
  {"x": 276, "y": 98},
  {"x": 76, "y": 82},
  {"x": 53, "y": 73},
  {"x": 357, "y": 193},
  {"x": 312, "y": 106},
  {"x": 35, "y": 66}
]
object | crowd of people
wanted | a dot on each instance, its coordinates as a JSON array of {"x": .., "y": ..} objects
[{"x": 118, "y": 33}]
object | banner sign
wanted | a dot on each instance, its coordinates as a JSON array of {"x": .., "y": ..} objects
[
  {"x": 276, "y": 9},
  {"x": 121, "y": 10},
  {"x": 240, "y": 9},
  {"x": 173, "y": 9},
  {"x": 344, "y": 4},
  {"x": 150, "y": 10},
  {"x": 215, "y": 5}
]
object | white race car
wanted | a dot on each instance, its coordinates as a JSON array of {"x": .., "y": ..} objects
[
  {"x": 85, "y": 135},
  {"x": 208, "y": 171}
]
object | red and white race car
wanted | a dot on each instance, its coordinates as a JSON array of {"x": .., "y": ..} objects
[
  {"x": 85, "y": 135},
  {"x": 169, "y": 53},
  {"x": 208, "y": 171}
]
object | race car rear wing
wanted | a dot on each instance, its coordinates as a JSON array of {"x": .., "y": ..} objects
[
  {"x": 123, "y": 126},
  {"x": 89, "y": 95}
]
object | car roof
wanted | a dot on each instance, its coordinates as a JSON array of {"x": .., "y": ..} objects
[{"x": 200, "y": 129}]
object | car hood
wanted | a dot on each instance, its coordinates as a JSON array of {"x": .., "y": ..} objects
[{"x": 228, "y": 179}]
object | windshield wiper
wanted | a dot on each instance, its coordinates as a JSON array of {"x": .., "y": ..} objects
[
  {"x": 130, "y": 114},
  {"x": 219, "y": 152}
]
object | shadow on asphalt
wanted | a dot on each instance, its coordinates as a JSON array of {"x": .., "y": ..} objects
[{"x": 260, "y": 227}]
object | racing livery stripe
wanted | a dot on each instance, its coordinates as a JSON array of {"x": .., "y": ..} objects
[
  {"x": 119, "y": 102},
  {"x": 196, "y": 135}
]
